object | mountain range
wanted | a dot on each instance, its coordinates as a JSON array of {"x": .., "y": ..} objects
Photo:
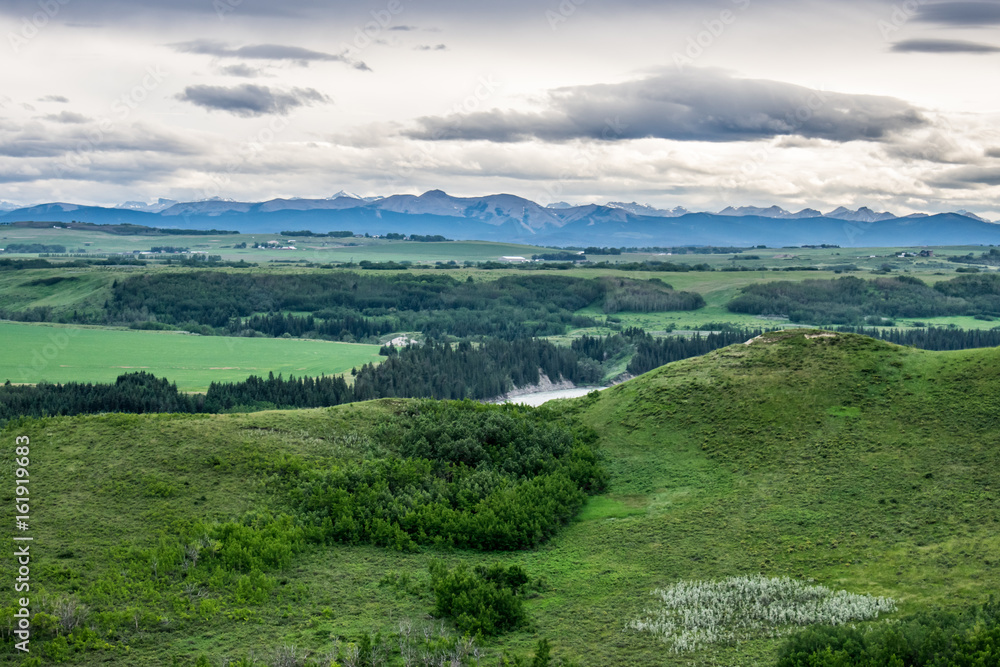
[{"x": 506, "y": 217}]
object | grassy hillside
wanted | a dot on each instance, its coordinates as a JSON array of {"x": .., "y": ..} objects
[{"x": 834, "y": 458}]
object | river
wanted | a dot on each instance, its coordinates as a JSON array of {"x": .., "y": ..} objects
[{"x": 537, "y": 398}]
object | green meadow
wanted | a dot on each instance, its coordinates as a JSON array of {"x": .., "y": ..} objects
[{"x": 32, "y": 353}]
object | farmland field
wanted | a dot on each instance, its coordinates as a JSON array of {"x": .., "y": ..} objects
[
  {"x": 33, "y": 352},
  {"x": 311, "y": 249}
]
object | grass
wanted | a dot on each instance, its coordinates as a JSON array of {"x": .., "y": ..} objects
[
  {"x": 35, "y": 352},
  {"x": 80, "y": 289},
  {"x": 854, "y": 463}
]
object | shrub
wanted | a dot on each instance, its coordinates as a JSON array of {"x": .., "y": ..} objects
[
  {"x": 971, "y": 637},
  {"x": 483, "y": 601}
]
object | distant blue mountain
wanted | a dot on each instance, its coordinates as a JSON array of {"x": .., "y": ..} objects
[{"x": 514, "y": 219}]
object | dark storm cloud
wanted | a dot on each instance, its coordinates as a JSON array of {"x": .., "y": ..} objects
[
  {"x": 964, "y": 177},
  {"x": 705, "y": 105},
  {"x": 942, "y": 46},
  {"x": 965, "y": 14},
  {"x": 250, "y": 100},
  {"x": 295, "y": 54}
]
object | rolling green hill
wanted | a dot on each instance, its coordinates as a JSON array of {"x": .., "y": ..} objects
[{"x": 832, "y": 459}]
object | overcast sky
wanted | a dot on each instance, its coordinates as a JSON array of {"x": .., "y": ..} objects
[{"x": 696, "y": 103}]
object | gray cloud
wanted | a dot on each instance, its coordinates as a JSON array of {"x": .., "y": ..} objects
[
  {"x": 965, "y": 177},
  {"x": 427, "y": 47},
  {"x": 402, "y": 28},
  {"x": 296, "y": 54},
  {"x": 35, "y": 140},
  {"x": 67, "y": 117},
  {"x": 942, "y": 46},
  {"x": 240, "y": 69},
  {"x": 705, "y": 105},
  {"x": 250, "y": 100},
  {"x": 993, "y": 152},
  {"x": 964, "y": 14},
  {"x": 54, "y": 98}
]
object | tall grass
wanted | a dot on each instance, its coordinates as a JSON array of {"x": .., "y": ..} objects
[{"x": 692, "y": 615}]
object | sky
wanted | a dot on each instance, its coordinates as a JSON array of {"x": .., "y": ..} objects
[{"x": 694, "y": 103}]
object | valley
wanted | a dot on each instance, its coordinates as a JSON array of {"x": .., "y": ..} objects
[{"x": 222, "y": 526}]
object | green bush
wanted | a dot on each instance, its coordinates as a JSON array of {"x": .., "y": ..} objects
[
  {"x": 934, "y": 639},
  {"x": 483, "y": 601}
]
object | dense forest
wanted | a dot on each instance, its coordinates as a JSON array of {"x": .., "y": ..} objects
[
  {"x": 854, "y": 301},
  {"x": 351, "y": 306}
]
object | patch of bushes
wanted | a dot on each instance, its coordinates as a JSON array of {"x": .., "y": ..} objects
[
  {"x": 483, "y": 601},
  {"x": 970, "y": 637}
]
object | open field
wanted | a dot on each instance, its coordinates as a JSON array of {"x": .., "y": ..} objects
[
  {"x": 35, "y": 352},
  {"x": 845, "y": 461},
  {"x": 310, "y": 249},
  {"x": 324, "y": 250}
]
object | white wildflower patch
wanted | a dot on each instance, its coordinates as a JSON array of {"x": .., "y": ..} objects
[{"x": 692, "y": 615}]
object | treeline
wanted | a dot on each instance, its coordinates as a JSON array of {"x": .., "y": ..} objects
[
  {"x": 655, "y": 352},
  {"x": 560, "y": 257},
  {"x": 307, "y": 233},
  {"x": 695, "y": 250},
  {"x": 990, "y": 258},
  {"x": 931, "y": 639},
  {"x": 139, "y": 392},
  {"x": 666, "y": 267},
  {"x": 645, "y": 352},
  {"x": 33, "y": 248},
  {"x": 419, "y": 238},
  {"x": 651, "y": 296},
  {"x": 855, "y": 301},
  {"x": 932, "y": 338},
  {"x": 352, "y": 306},
  {"x": 477, "y": 371}
]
